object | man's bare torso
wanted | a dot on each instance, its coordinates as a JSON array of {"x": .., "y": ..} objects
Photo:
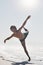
[{"x": 19, "y": 35}]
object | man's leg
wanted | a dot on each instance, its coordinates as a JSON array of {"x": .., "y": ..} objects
[{"x": 23, "y": 44}]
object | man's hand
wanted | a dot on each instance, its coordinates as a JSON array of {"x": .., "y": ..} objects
[
  {"x": 28, "y": 16},
  {"x": 4, "y": 41}
]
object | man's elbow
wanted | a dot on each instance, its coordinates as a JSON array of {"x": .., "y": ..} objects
[{"x": 8, "y": 38}]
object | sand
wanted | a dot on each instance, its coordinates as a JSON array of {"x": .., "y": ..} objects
[{"x": 15, "y": 56}]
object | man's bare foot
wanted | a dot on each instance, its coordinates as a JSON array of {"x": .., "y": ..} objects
[{"x": 29, "y": 59}]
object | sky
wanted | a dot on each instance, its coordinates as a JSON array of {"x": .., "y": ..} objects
[{"x": 14, "y": 12}]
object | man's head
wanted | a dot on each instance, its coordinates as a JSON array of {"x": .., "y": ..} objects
[{"x": 13, "y": 28}]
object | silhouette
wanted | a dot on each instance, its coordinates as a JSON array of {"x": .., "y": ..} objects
[{"x": 21, "y": 36}]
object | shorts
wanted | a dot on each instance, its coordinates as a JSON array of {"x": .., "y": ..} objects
[{"x": 25, "y": 35}]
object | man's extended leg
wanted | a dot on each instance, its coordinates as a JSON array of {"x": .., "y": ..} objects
[{"x": 23, "y": 44}]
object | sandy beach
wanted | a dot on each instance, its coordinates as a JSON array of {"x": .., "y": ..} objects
[
  {"x": 10, "y": 62},
  {"x": 12, "y": 55}
]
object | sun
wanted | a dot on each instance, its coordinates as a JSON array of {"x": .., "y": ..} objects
[{"x": 28, "y": 3}]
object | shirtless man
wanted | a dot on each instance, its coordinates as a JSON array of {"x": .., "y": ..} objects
[{"x": 21, "y": 36}]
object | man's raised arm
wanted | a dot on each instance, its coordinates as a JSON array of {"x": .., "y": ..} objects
[{"x": 24, "y": 23}]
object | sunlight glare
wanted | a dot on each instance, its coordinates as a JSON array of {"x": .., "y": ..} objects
[{"x": 28, "y": 3}]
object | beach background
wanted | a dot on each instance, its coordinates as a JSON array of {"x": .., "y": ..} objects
[
  {"x": 14, "y": 54},
  {"x": 14, "y": 13}
]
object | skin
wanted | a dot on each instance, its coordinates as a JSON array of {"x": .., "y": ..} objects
[{"x": 19, "y": 34}]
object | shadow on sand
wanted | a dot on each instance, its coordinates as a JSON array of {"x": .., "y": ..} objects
[
  {"x": 17, "y": 63},
  {"x": 22, "y": 63}
]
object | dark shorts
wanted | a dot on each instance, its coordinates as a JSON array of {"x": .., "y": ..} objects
[{"x": 25, "y": 35}]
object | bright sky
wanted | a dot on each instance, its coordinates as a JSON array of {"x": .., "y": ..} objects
[{"x": 15, "y": 12}]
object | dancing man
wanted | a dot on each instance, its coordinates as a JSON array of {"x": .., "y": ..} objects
[{"x": 21, "y": 36}]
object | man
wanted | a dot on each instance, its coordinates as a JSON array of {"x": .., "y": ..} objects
[{"x": 21, "y": 36}]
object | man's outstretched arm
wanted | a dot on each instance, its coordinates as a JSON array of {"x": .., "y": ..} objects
[
  {"x": 24, "y": 23},
  {"x": 8, "y": 38}
]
